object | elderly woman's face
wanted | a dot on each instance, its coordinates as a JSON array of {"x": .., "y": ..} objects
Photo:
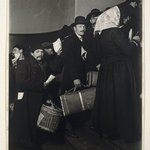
[{"x": 38, "y": 54}]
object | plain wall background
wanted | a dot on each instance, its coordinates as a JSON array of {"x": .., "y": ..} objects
[
  {"x": 83, "y": 7},
  {"x": 38, "y": 16}
]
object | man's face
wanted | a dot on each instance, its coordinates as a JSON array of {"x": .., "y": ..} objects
[
  {"x": 16, "y": 51},
  {"x": 80, "y": 29},
  {"x": 49, "y": 51},
  {"x": 38, "y": 54}
]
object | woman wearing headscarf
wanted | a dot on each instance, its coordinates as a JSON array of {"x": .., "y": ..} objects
[{"x": 116, "y": 109}]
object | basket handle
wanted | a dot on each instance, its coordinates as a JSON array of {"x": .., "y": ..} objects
[
  {"x": 71, "y": 90},
  {"x": 53, "y": 105}
]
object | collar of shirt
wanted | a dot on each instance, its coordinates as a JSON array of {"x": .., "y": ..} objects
[
  {"x": 79, "y": 36},
  {"x": 83, "y": 53}
]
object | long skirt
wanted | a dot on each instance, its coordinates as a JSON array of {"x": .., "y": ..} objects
[{"x": 117, "y": 107}]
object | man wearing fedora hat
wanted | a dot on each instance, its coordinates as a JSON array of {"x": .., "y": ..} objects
[{"x": 74, "y": 60}]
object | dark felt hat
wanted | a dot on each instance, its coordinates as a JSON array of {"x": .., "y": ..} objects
[
  {"x": 94, "y": 12},
  {"x": 47, "y": 45},
  {"x": 79, "y": 20},
  {"x": 35, "y": 45}
]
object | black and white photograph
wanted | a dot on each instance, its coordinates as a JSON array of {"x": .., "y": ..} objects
[{"x": 75, "y": 75}]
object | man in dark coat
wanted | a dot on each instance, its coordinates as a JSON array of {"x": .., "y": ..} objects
[
  {"x": 55, "y": 64},
  {"x": 30, "y": 76},
  {"x": 74, "y": 61}
]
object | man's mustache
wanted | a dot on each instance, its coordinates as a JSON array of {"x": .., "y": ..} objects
[
  {"x": 82, "y": 31},
  {"x": 39, "y": 57}
]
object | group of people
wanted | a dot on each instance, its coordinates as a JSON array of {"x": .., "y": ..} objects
[{"x": 103, "y": 41}]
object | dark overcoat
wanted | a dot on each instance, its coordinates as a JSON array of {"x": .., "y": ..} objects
[
  {"x": 92, "y": 46},
  {"x": 55, "y": 65},
  {"x": 116, "y": 110},
  {"x": 74, "y": 65},
  {"x": 29, "y": 77}
]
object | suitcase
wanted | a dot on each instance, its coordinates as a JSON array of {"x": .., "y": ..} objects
[
  {"x": 49, "y": 117},
  {"x": 92, "y": 78},
  {"x": 78, "y": 101}
]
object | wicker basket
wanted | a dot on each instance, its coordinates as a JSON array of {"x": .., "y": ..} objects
[{"x": 49, "y": 117}]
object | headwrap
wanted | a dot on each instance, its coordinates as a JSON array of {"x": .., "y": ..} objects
[{"x": 108, "y": 19}]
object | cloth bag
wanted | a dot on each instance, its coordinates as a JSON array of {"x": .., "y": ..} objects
[
  {"x": 49, "y": 117},
  {"x": 92, "y": 78},
  {"x": 74, "y": 102}
]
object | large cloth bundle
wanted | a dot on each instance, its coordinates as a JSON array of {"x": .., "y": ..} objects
[
  {"x": 78, "y": 101},
  {"x": 49, "y": 117},
  {"x": 92, "y": 78}
]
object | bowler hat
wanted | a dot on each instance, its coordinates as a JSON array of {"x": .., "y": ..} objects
[
  {"x": 80, "y": 20},
  {"x": 47, "y": 45},
  {"x": 94, "y": 12},
  {"x": 35, "y": 45}
]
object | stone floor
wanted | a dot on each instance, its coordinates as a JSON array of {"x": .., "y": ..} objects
[
  {"x": 57, "y": 146},
  {"x": 89, "y": 140}
]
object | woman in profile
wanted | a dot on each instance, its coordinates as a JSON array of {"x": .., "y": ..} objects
[{"x": 116, "y": 110}]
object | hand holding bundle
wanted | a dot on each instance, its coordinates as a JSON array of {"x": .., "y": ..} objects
[{"x": 49, "y": 80}]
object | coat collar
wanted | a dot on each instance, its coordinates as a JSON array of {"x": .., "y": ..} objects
[{"x": 76, "y": 38}]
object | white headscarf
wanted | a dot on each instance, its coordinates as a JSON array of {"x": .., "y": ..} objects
[{"x": 108, "y": 19}]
